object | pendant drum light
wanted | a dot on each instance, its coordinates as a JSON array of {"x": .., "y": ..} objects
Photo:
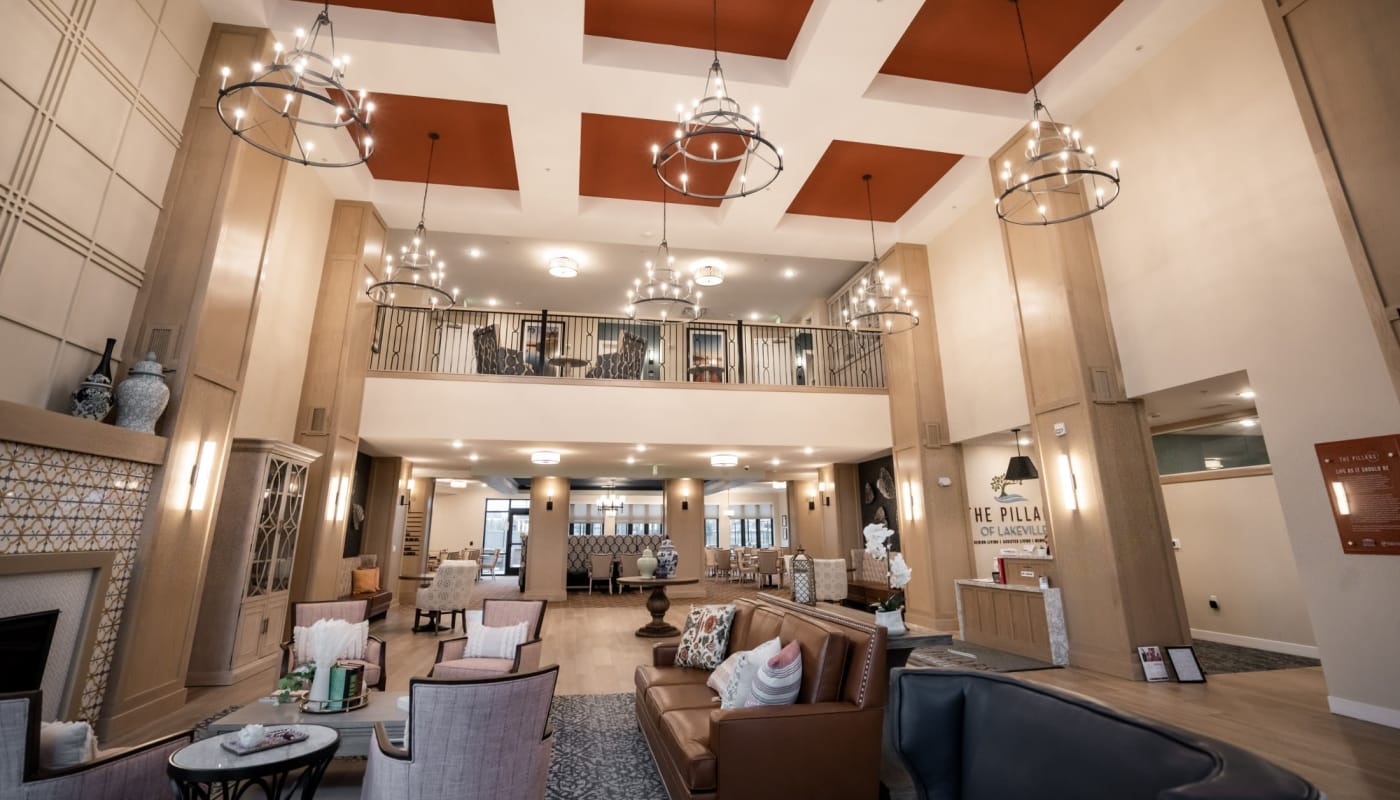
[{"x": 1020, "y": 468}]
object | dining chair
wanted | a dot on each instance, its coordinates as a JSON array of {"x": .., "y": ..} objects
[
  {"x": 628, "y": 568},
  {"x": 723, "y": 563},
  {"x": 769, "y": 566},
  {"x": 489, "y": 562},
  {"x": 450, "y": 591},
  {"x": 474, "y": 554},
  {"x": 600, "y": 568},
  {"x": 710, "y": 562}
]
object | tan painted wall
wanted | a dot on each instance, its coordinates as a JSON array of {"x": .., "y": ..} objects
[
  {"x": 547, "y": 568},
  {"x": 459, "y": 516},
  {"x": 291, "y": 277},
  {"x": 102, "y": 146}
]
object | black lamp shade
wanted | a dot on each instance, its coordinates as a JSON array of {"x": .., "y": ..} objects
[{"x": 1021, "y": 469}]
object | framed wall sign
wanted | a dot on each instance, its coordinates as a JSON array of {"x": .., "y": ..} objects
[
  {"x": 1185, "y": 665},
  {"x": 1154, "y": 666},
  {"x": 1362, "y": 480}
]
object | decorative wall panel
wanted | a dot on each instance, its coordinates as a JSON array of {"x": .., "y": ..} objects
[{"x": 58, "y": 501}]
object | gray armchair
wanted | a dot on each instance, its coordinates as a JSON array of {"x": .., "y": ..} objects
[
  {"x": 134, "y": 772},
  {"x": 492, "y": 359},
  {"x": 453, "y": 664},
  {"x": 484, "y": 738},
  {"x": 625, "y": 364}
]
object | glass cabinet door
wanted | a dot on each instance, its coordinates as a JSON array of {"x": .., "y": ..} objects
[{"x": 275, "y": 538}]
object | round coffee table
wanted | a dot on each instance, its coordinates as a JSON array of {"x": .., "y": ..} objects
[
  {"x": 204, "y": 769},
  {"x": 566, "y": 365},
  {"x": 657, "y": 604}
]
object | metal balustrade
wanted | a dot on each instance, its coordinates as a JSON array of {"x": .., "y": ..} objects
[{"x": 550, "y": 344}]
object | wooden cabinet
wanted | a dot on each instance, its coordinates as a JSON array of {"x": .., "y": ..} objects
[
  {"x": 244, "y": 608},
  {"x": 1022, "y": 620}
]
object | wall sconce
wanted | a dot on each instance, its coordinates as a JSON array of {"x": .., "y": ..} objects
[
  {"x": 549, "y": 501},
  {"x": 685, "y": 498},
  {"x": 811, "y": 500},
  {"x": 199, "y": 475},
  {"x": 1069, "y": 487}
]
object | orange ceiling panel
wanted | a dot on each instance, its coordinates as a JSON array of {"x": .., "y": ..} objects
[
  {"x": 475, "y": 149},
  {"x": 615, "y": 161},
  {"x": 468, "y": 10},
  {"x": 976, "y": 42},
  {"x": 764, "y": 28},
  {"x": 900, "y": 176}
]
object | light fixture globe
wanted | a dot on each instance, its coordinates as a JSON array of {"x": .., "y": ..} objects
[
  {"x": 544, "y": 457},
  {"x": 305, "y": 87},
  {"x": 724, "y": 460},
  {"x": 563, "y": 267},
  {"x": 709, "y": 275},
  {"x": 715, "y": 133}
]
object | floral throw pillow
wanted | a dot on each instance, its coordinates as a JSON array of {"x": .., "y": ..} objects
[{"x": 706, "y": 637}]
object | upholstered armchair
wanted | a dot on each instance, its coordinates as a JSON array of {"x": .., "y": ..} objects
[
  {"x": 131, "y": 772},
  {"x": 452, "y": 662},
  {"x": 492, "y": 359},
  {"x": 485, "y": 738},
  {"x": 625, "y": 364},
  {"x": 304, "y": 615},
  {"x": 450, "y": 592}
]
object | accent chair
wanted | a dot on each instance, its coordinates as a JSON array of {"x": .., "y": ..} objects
[
  {"x": 486, "y": 738},
  {"x": 304, "y": 615},
  {"x": 450, "y": 593},
  {"x": 625, "y": 364},
  {"x": 125, "y": 772},
  {"x": 453, "y": 664},
  {"x": 492, "y": 359}
]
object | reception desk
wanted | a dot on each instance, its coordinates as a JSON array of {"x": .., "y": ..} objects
[{"x": 1025, "y": 620}]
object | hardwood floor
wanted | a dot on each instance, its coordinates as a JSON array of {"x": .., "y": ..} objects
[{"x": 1281, "y": 715}]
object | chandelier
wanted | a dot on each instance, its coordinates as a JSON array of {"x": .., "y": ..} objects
[
  {"x": 417, "y": 278},
  {"x": 612, "y": 502},
  {"x": 305, "y": 87},
  {"x": 1044, "y": 188},
  {"x": 713, "y": 134},
  {"x": 665, "y": 291},
  {"x": 875, "y": 306}
]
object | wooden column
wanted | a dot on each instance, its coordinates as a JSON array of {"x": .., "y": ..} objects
[
  {"x": 1109, "y": 533},
  {"x": 196, "y": 311},
  {"x": 933, "y": 524},
  {"x": 686, "y": 529},
  {"x": 839, "y": 501},
  {"x": 548, "y": 550},
  {"x": 332, "y": 392},
  {"x": 808, "y": 530},
  {"x": 386, "y": 511}
]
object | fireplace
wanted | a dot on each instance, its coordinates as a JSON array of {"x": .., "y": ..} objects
[{"x": 24, "y": 650}]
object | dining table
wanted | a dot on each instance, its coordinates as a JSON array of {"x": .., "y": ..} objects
[{"x": 657, "y": 604}]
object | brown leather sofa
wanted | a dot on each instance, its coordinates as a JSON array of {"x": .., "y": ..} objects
[{"x": 826, "y": 745}]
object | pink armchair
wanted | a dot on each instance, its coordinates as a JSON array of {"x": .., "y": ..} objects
[
  {"x": 452, "y": 663},
  {"x": 478, "y": 738},
  {"x": 135, "y": 772},
  {"x": 305, "y": 614}
]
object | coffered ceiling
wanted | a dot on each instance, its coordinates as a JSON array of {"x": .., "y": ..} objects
[{"x": 549, "y": 108}]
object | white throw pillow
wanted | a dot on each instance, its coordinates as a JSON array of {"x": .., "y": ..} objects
[
  {"x": 486, "y": 642},
  {"x": 65, "y": 744},
  {"x": 736, "y": 691},
  {"x": 355, "y": 639},
  {"x": 719, "y": 678}
]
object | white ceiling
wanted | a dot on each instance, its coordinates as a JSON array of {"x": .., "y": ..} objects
[{"x": 536, "y": 60}]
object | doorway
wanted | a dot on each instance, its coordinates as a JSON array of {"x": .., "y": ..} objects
[{"x": 519, "y": 528}]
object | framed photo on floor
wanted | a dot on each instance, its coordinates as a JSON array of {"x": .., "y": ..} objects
[
  {"x": 1185, "y": 665},
  {"x": 1154, "y": 665}
]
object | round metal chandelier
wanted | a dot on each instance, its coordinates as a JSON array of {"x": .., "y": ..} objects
[
  {"x": 612, "y": 502},
  {"x": 1044, "y": 189},
  {"x": 305, "y": 88},
  {"x": 875, "y": 306},
  {"x": 666, "y": 292},
  {"x": 417, "y": 278},
  {"x": 714, "y": 133}
]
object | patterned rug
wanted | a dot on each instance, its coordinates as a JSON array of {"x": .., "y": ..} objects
[
  {"x": 1218, "y": 659},
  {"x": 599, "y": 753}
]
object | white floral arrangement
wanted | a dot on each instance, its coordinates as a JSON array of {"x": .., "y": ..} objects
[{"x": 877, "y": 547}]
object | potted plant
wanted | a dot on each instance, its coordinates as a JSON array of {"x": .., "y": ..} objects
[
  {"x": 291, "y": 685},
  {"x": 890, "y": 612}
]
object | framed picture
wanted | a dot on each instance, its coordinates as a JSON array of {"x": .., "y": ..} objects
[
  {"x": 1185, "y": 665},
  {"x": 1154, "y": 666},
  {"x": 707, "y": 348},
  {"x": 530, "y": 343},
  {"x": 783, "y": 540}
]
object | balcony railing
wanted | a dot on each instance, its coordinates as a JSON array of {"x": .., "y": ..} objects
[{"x": 550, "y": 344}]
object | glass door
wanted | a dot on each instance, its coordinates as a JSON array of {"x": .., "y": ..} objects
[{"x": 519, "y": 526}]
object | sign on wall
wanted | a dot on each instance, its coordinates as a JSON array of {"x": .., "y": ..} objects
[
  {"x": 1000, "y": 514},
  {"x": 1362, "y": 478}
]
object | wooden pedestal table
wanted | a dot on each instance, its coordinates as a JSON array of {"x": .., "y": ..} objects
[{"x": 657, "y": 604}]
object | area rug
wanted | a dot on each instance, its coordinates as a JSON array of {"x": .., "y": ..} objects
[
  {"x": 1219, "y": 659},
  {"x": 963, "y": 655},
  {"x": 599, "y": 753}
]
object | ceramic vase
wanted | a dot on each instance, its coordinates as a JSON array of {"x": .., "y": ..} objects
[
  {"x": 141, "y": 398},
  {"x": 893, "y": 621},
  {"x": 666, "y": 559},
  {"x": 93, "y": 397},
  {"x": 646, "y": 564}
]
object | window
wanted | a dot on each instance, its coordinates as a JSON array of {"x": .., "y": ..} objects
[
  {"x": 711, "y": 532},
  {"x": 1224, "y": 445}
]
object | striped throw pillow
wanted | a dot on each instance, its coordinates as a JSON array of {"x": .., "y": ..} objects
[{"x": 779, "y": 679}]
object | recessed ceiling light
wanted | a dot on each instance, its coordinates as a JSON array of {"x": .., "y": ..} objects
[
  {"x": 808, "y": 450},
  {"x": 789, "y": 273},
  {"x": 709, "y": 275},
  {"x": 490, "y": 301},
  {"x": 776, "y": 462},
  {"x": 1247, "y": 394},
  {"x": 753, "y": 315},
  {"x": 456, "y": 442},
  {"x": 1249, "y": 423},
  {"x": 641, "y": 448},
  {"x": 724, "y": 460},
  {"x": 474, "y": 456},
  {"x": 631, "y": 460},
  {"x": 474, "y": 253},
  {"x": 544, "y": 457},
  {"x": 457, "y": 484},
  {"x": 779, "y": 484},
  {"x": 563, "y": 267}
]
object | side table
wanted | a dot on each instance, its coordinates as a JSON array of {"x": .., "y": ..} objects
[
  {"x": 205, "y": 770},
  {"x": 657, "y": 604}
]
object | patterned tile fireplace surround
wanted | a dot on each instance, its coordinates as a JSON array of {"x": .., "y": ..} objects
[{"x": 61, "y": 501}]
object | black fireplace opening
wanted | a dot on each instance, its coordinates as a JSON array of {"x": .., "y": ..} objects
[{"x": 24, "y": 650}]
